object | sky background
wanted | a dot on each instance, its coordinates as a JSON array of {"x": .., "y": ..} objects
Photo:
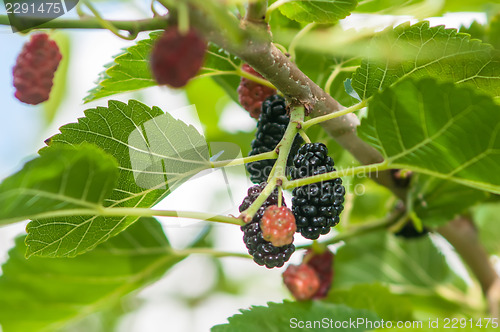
[{"x": 23, "y": 130}]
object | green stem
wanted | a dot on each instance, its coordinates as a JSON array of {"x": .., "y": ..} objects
[
  {"x": 332, "y": 78},
  {"x": 275, "y": 5},
  {"x": 284, "y": 146},
  {"x": 304, "y": 136},
  {"x": 254, "y": 78},
  {"x": 334, "y": 115},
  {"x": 366, "y": 169},
  {"x": 209, "y": 251},
  {"x": 156, "y": 23},
  {"x": 298, "y": 36},
  {"x": 109, "y": 25},
  {"x": 252, "y": 209},
  {"x": 244, "y": 160},
  {"x": 143, "y": 212}
]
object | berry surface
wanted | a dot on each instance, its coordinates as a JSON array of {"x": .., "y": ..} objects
[
  {"x": 177, "y": 57},
  {"x": 251, "y": 94},
  {"x": 278, "y": 225},
  {"x": 262, "y": 251},
  {"x": 302, "y": 281},
  {"x": 270, "y": 129},
  {"x": 35, "y": 68},
  {"x": 317, "y": 206}
]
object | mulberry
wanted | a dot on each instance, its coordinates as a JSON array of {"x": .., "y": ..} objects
[
  {"x": 270, "y": 129},
  {"x": 262, "y": 251},
  {"x": 35, "y": 68},
  {"x": 176, "y": 57},
  {"x": 251, "y": 94},
  {"x": 317, "y": 206}
]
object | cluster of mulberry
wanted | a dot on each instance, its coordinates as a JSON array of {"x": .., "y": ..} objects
[
  {"x": 272, "y": 124},
  {"x": 317, "y": 206},
  {"x": 262, "y": 251}
]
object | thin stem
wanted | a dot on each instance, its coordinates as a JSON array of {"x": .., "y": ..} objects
[
  {"x": 332, "y": 77},
  {"x": 254, "y": 78},
  {"x": 295, "y": 40},
  {"x": 255, "y": 206},
  {"x": 209, "y": 251},
  {"x": 244, "y": 160},
  {"x": 272, "y": 7},
  {"x": 156, "y": 23},
  {"x": 304, "y": 136},
  {"x": 334, "y": 115},
  {"x": 336, "y": 174},
  {"x": 143, "y": 212},
  {"x": 278, "y": 172},
  {"x": 108, "y": 25}
]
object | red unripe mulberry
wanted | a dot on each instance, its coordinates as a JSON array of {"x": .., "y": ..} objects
[
  {"x": 177, "y": 57},
  {"x": 251, "y": 94},
  {"x": 35, "y": 68}
]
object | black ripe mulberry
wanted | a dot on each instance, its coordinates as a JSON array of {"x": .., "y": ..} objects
[
  {"x": 262, "y": 251},
  {"x": 272, "y": 124},
  {"x": 317, "y": 206},
  {"x": 35, "y": 68}
]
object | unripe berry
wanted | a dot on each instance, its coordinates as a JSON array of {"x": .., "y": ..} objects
[
  {"x": 278, "y": 225},
  {"x": 35, "y": 68},
  {"x": 251, "y": 94},
  {"x": 302, "y": 281},
  {"x": 176, "y": 57}
]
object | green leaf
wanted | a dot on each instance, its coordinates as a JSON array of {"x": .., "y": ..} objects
[
  {"x": 467, "y": 6},
  {"x": 408, "y": 266},
  {"x": 438, "y": 129},
  {"x": 375, "y": 298},
  {"x": 299, "y": 316},
  {"x": 319, "y": 11},
  {"x": 62, "y": 178},
  {"x": 155, "y": 153},
  {"x": 421, "y": 51},
  {"x": 436, "y": 201},
  {"x": 130, "y": 70},
  {"x": 42, "y": 294},
  {"x": 487, "y": 219},
  {"x": 385, "y": 6}
]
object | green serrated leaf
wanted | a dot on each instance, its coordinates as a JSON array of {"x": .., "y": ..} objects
[
  {"x": 375, "y": 298},
  {"x": 62, "y": 178},
  {"x": 130, "y": 69},
  {"x": 319, "y": 11},
  {"x": 436, "y": 201},
  {"x": 42, "y": 294},
  {"x": 296, "y": 316},
  {"x": 421, "y": 51},
  {"x": 409, "y": 266},
  {"x": 128, "y": 72},
  {"x": 438, "y": 129},
  {"x": 155, "y": 153}
]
